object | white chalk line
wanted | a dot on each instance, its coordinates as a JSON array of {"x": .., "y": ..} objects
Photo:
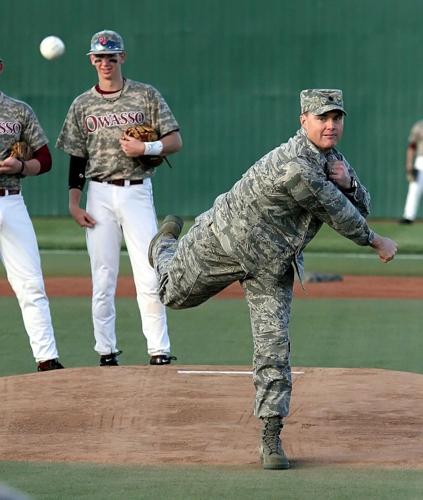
[{"x": 220, "y": 372}]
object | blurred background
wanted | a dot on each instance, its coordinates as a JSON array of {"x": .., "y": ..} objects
[{"x": 231, "y": 72}]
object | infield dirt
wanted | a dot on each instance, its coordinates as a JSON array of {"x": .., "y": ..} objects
[{"x": 119, "y": 415}]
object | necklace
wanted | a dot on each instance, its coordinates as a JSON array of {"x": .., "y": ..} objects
[{"x": 113, "y": 93}]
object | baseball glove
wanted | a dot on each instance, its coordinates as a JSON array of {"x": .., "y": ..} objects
[
  {"x": 145, "y": 133},
  {"x": 21, "y": 150},
  {"x": 412, "y": 175}
]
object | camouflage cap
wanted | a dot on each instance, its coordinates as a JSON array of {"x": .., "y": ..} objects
[
  {"x": 319, "y": 101},
  {"x": 106, "y": 42}
]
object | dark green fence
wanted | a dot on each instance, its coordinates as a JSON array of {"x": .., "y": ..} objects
[{"x": 231, "y": 71}]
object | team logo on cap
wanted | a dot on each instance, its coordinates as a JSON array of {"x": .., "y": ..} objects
[{"x": 106, "y": 42}]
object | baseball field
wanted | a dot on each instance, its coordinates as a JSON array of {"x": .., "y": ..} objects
[{"x": 187, "y": 431}]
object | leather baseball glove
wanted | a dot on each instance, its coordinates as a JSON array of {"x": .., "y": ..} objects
[
  {"x": 145, "y": 133},
  {"x": 21, "y": 150}
]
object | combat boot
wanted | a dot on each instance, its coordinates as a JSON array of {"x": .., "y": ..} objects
[
  {"x": 271, "y": 452},
  {"x": 172, "y": 225}
]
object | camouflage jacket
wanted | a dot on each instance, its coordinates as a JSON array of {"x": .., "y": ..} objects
[{"x": 265, "y": 221}]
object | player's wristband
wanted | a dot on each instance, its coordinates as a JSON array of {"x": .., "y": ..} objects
[{"x": 153, "y": 148}]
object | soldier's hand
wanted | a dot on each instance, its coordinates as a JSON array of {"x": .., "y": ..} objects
[
  {"x": 338, "y": 173},
  {"x": 385, "y": 248}
]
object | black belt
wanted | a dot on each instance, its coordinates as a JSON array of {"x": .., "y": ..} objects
[
  {"x": 6, "y": 192},
  {"x": 118, "y": 182}
]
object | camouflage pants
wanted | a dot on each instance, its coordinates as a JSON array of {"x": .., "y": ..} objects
[{"x": 195, "y": 268}]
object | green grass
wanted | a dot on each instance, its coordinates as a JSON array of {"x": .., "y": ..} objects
[
  {"x": 324, "y": 332},
  {"x": 64, "y": 233},
  {"x": 94, "y": 482}
]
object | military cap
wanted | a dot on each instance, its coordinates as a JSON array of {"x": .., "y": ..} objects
[
  {"x": 106, "y": 42},
  {"x": 319, "y": 101}
]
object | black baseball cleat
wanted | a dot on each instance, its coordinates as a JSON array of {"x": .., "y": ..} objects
[
  {"x": 110, "y": 359},
  {"x": 172, "y": 224},
  {"x": 162, "y": 359},
  {"x": 50, "y": 364},
  {"x": 405, "y": 221}
]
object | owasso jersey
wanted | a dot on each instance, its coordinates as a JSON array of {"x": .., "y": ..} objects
[
  {"x": 416, "y": 137},
  {"x": 279, "y": 205},
  {"x": 94, "y": 125},
  {"x": 18, "y": 122}
]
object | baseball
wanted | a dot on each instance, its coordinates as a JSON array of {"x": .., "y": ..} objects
[{"x": 52, "y": 47}]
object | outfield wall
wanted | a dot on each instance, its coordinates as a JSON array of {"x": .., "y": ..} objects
[{"x": 231, "y": 71}]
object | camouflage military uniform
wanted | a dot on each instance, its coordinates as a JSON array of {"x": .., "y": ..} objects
[{"x": 255, "y": 233}]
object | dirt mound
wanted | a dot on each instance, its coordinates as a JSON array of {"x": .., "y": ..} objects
[{"x": 203, "y": 415}]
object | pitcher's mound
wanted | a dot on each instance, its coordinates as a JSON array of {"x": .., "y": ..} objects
[{"x": 203, "y": 415}]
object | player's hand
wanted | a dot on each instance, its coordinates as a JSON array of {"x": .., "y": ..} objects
[
  {"x": 338, "y": 173},
  {"x": 385, "y": 248},
  {"x": 82, "y": 217},
  {"x": 10, "y": 166},
  {"x": 132, "y": 147}
]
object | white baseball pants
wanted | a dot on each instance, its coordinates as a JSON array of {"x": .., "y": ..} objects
[
  {"x": 21, "y": 259},
  {"x": 126, "y": 211},
  {"x": 415, "y": 190}
]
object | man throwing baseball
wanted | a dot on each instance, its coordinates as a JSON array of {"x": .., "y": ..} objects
[
  {"x": 18, "y": 244},
  {"x": 256, "y": 233},
  {"x": 119, "y": 197}
]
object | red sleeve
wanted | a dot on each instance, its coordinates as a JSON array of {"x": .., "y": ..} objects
[{"x": 44, "y": 157}]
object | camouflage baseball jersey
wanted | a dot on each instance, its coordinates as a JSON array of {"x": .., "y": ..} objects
[
  {"x": 268, "y": 217},
  {"x": 94, "y": 124},
  {"x": 18, "y": 122},
  {"x": 416, "y": 137}
]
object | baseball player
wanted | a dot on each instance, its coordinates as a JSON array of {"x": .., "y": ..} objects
[
  {"x": 256, "y": 233},
  {"x": 120, "y": 196},
  {"x": 414, "y": 173},
  {"x": 18, "y": 244}
]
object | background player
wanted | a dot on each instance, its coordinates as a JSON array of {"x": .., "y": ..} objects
[
  {"x": 414, "y": 173},
  {"x": 120, "y": 197},
  {"x": 256, "y": 233},
  {"x": 18, "y": 244}
]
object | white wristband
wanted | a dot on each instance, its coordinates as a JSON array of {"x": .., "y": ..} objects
[{"x": 153, "y": 148}]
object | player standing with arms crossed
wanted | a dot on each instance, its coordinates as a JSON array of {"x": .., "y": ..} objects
[
  {"x": 18, "y": 243},
  {"x": 119, "y": 197}
]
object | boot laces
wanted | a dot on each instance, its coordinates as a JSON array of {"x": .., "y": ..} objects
[{"x": 272, "y": 428}]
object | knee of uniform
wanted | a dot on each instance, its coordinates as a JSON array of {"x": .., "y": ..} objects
[
  {"x": 271, "y": 347},
  {"x": 32, "y": 288},
  {"x": 175, "y": 305}
]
